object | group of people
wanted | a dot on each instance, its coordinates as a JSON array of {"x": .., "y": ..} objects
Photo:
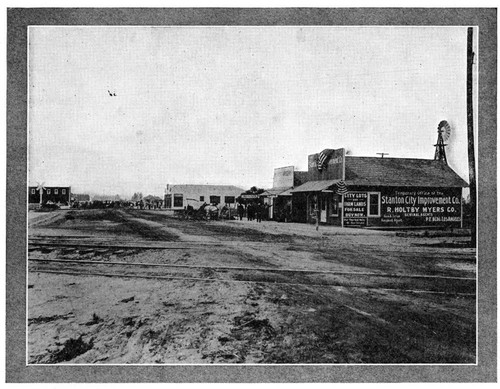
[{"x": 254, "y": 211}]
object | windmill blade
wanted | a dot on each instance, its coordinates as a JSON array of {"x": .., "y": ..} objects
[{"x": 445, "y": 129}]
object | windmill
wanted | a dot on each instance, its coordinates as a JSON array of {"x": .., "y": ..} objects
[
  {"x": 40, "y": 188},
  {"x": 444, "y": 131}
]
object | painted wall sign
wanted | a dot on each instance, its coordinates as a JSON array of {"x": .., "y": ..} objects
[
  {"x": 421, "y": 207},
  {"x": 355, "y": 209},
  {"x": 401, "y": 207},
  {"x": 334, "y": 170},
  {"x": 355, "y": 204}
]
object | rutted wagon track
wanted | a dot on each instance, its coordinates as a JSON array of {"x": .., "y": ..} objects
[
  {"x": 130, "y": 287},
  {"x": 463, "y": 286}
]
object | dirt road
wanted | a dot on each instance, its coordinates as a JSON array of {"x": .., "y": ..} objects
[{"x": 129, "y": 286}]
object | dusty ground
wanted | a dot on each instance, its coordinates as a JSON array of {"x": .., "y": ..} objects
[{"x": 259, "y": 314}]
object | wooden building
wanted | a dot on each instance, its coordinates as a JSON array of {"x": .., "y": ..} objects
[
  {"x": 178, "y": 197},
  {"x": 279, "y": 198},
  {"x": 49, "y": 194},
  {"x": 378, "y": 192}
]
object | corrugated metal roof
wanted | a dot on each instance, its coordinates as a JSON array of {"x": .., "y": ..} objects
[
  {"x": 314, "y": 186},
  {"x": 374, "y": 171}
]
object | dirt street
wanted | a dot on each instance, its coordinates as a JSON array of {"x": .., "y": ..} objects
[{"x": 117, "y": 286}]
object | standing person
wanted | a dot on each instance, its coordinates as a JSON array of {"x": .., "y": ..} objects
[
  {"x": 258, "y": 212},
  {"x": 240, "y": 211},
  {"x": 249, "y": 212}
]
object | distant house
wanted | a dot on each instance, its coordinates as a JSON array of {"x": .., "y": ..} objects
[
  {"x": 379, "y": 192},
  {"x": 106, "y": 198},
  {"x": 80, "y": 197},
  {"x": 50, "y": 194},
  {"x": 178, "y": 197},
  {"x": 153, "y": 201}
]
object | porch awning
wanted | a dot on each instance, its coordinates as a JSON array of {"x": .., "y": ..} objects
[
  {"x": 314, "y": 186},
  {"x": 274, "y": 191},
  {"x": 286, "y": 193}
]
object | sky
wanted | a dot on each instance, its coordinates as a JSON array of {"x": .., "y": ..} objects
[{"x": 118, "y": 110}]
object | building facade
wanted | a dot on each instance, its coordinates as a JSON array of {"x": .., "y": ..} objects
[
  {"x": 178, "y": 197},
  {"x": 50, "y": 194},
  {"x": 279, "y": 198},
  {"x": 379, "y": 192}
]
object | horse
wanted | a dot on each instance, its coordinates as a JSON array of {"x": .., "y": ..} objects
[
  {"x": 212, "y": 212},
  {"x": 194, "y": 212}
]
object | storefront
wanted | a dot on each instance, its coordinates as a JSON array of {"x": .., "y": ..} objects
[
  {"x": 278, "y": 199},
  {"x": 379, "y": 192}
]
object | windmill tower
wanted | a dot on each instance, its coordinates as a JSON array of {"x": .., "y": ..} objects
[
  {"x": 444, "y": 131},
  {"x": 40, "y": 189}
]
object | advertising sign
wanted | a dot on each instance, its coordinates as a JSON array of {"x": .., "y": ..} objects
[
  {"x": 283, "y": 177},
  {"x": 402, "y": 207},
  {"x": 421, "y": 207},
  {"x": 250, "y": 196},
  {"x": 355, "y": 209}
]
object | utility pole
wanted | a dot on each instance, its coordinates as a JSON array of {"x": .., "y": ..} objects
[{"x": 470, "y": 136}]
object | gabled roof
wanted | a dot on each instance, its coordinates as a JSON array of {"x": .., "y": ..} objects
[
  {"x": 372, "y": 171},
  {"x": 151, "y": 197}
]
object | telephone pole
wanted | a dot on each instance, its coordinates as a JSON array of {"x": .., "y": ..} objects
[{"x": 470, "y": 136}]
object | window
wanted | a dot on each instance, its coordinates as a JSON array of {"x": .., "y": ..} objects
[
  {"x": 48, "y": 191},
  {"x": 168, "y": 201},
  {"x": 32, "y": 191},
  {"x": 373, "y": 204},
  {"x": 63, "y": 191},
  {"x": 56, "y": 191},
  {"x": 214, "y": 199},
  {"x": 178, "y": 200},
  {"x": 202, "y": 198},
  {"x": 229, "y": 199}
]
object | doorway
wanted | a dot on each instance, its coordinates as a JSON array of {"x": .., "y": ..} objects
[{"x": 323, "y": 209}]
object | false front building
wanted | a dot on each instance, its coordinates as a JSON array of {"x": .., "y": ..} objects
[
  {"x": 378, "y": 192},
  {"x": 279, "y": 198}
]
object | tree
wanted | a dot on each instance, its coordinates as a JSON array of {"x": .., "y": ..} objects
[{"x": 137, "y": 196}]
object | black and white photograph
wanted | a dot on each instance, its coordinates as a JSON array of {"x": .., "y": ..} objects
[{"x": 261, "y": 195}]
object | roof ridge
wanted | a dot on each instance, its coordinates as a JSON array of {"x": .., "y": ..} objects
[{"x": 399, "y": 158}]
